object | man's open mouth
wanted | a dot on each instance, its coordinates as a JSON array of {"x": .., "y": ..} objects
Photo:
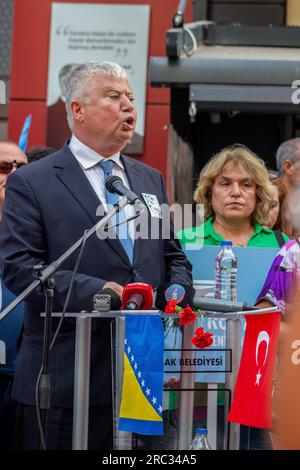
[{"x": 128, "y": 123}]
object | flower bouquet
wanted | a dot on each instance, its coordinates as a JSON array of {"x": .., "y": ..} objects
[{"x": 202, "y": 339}]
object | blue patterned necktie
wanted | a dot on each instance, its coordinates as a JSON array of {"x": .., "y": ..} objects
[{"x": 122, "y": 231}]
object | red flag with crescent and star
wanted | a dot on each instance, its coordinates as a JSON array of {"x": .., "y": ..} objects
[{"x": 252, "y": 399}]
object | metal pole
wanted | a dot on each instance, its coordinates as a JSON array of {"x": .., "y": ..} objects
[
  {"x": 186, "y": 401},
  {"x": 81, "y": 382},
  {"x": 122, "y": 439},
  {"x": 212, "y": 414},
  {"x": 233, "y": 342},
  {"x": 45, "y": 380}
]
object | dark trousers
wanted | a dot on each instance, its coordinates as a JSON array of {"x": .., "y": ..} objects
[
  {"x": 8, "y": 411},
  {"x": 59, "y": 428}
]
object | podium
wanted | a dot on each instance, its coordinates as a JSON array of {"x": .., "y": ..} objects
[{"x": 122, "y": 440}]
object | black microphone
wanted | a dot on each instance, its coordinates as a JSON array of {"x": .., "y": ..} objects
[
  {"x": 220, "y": 305},
  {"x": 114, "y": 184},
  {"x": 106, "y": 299}
]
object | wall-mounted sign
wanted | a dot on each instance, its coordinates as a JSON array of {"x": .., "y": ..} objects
[{"x": 88, "y": 32}]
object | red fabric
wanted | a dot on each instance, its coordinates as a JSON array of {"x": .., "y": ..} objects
[{"x": 252, "y": 405}]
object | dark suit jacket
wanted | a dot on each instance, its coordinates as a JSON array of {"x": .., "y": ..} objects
[
  {"x": 10, "y": 330},
  {"x": 48, "y": 206}
]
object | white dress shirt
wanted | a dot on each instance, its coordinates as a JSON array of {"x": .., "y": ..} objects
[{"x": 89, "y": 160}]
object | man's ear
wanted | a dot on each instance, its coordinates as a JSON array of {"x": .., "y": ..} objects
[
  {"x": 77, "y": 110},
  {"x": 287, "y": 167}
]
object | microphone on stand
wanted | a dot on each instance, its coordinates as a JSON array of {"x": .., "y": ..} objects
[
  {"x": 114, "y": 184},
  {"x": 137, "y": 296},
  {"x": 106, "y": 299},
  {"x": 182, "y": 294},
  {"x": 175, "y": 292},
  {"x": 220, "y": 305}
]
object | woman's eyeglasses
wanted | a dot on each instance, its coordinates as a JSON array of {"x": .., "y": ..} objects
[{"x": 7, "y": 167}]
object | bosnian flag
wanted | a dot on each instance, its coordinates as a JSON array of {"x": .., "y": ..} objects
[
  {"x": 142, "y": 394},
  {"x": 252, "y": 400}
]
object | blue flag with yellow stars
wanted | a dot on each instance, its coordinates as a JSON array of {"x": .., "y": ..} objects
[{"x": 142, "y": 394}]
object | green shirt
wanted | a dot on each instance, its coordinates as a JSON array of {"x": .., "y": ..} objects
[{"x": 205, "y": 234}]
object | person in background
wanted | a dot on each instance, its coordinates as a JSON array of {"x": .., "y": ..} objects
[
  {"x": 11, "y": 158},
  {"x": 273, "y": 174},
  {"x": 282, "y": 279},
  {"x": 275, "y": 212},
  {"x": 288, "y": 163},
  {"x": 235, "y": 189},
  {"x": 280, "y": 290},
  {"x": 286, "y": 410},
  {"x": 289, "y": 206},
  {"x": 236, "y": 192},
  {"x": 36, "y": 153},
  {"x": 284, "y": 274}
]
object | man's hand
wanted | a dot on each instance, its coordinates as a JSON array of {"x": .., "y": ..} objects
[{"x": 115, "y": 287}]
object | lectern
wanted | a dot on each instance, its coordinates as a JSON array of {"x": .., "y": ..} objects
[{"x": 122, "y": 440}]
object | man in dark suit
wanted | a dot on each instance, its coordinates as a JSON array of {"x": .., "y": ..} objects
[{"x": 48, "y": 206}]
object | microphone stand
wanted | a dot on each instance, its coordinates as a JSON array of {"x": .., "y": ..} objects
[
  {"x": 44, "y": 397},
  {"x": 45, "y": 281},
  {"x": 178, "y": 18},
  {"x": 49, "y": 270}
]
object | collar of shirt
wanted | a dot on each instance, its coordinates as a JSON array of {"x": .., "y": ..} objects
[
  {"x": 209, "y": 231},
  {"x": 205, "y": 234},
  {"x": 88, "y": 160},
  {"x": 87, "y": 157}
]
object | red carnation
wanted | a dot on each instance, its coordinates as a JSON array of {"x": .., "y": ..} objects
[
  {"x": 202, "y": 339},
  {"x": 199, "y": 331},
  {"x": 187, "y": 316},
  {"x": 170, "y": 307}
]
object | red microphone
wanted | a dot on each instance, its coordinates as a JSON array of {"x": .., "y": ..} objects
[{"x": 137, "y": 296}]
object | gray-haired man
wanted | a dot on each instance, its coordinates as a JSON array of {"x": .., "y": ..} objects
[
  {"x": 49, "y": 206},
  {"x": 288, "y": 163}
]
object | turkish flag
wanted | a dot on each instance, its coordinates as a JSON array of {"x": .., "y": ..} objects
[{"x": 252, "y": 400}]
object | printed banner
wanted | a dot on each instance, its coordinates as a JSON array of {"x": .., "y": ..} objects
[{"x": 83, "y": 32}]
